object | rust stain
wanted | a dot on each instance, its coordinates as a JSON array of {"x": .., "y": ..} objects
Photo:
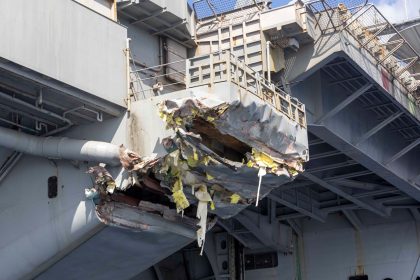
[
  {"x": 359, "y": 253},
  {"x": 133, "y": 133}
]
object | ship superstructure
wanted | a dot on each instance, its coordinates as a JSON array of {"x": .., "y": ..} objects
[{"x": 285, "y": 140}]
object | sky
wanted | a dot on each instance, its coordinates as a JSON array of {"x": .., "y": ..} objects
[{"x": 393, "y": 10}]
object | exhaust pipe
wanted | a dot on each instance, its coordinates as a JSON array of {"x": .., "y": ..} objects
[{"x": 60, "y": 147}]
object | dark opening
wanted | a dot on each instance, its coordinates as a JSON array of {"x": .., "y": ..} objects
[
  {"x": 224, "y": 145},
  {"x": 359, "y": 277},
  {"x": 147, "y": 194},
  {"x": 223, "y": 244},
  {"x": 52, "y": 186},
  {"x": 225, "y": 265},
  {"x": 258, "y": 261}
]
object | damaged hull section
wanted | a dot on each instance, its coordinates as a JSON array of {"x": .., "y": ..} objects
[
  {"x": 236, "y": 140},
  {"x": 145, "y": 217},
  {"x": 213, "y": 155}
]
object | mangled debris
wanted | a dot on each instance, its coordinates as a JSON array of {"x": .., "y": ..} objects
[{"x": 222, "y": 156}]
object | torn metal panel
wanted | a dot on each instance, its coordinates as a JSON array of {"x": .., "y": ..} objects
[
  {"x": 146, "y": 218},
  {"x": 222, "y": 154},
  {"x": 212, "y": 147},
  {"x": 247, "y": 119}
]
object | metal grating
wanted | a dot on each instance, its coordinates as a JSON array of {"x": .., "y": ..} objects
[
  {"x": 372, "y": 32},
  {"x": 342, "y": 73},
  {"x": 215, "y": 8},
  {"x": 340, "y": 170},
  {"x": 326, "y": 12},
  {"x": 323, "y": 5},
  {"x": 224, "y": 66}
]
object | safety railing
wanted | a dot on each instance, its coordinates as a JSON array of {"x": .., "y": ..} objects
[
  {"x": 225, "y": 67},
  {"x": 376, "y": 35},
  {"x": 210, "y": 69},
  {"x": 147, "y": 81},
  {"x": 326, "y": 14},
  {"x": 217, "y": 8}
]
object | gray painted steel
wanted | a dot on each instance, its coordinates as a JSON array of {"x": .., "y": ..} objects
[
  {"x": 115, "y": 253},
  {"x": 60, "y": 147},
  {"x": 68, "y": 42}
]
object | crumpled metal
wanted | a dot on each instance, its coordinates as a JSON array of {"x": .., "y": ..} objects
[{"x": 194, "y": 174}]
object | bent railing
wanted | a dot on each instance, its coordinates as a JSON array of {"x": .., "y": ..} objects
[{"x": 225, "y": 67}]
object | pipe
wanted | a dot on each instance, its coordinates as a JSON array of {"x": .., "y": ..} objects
[
  {"x": 128, "y": 71},
  {"x": 267, "y": 54},
  {"x": 9, "y": 164},
  {"x": 27, "y": 105},
  {"x": 60, "y": 147}
]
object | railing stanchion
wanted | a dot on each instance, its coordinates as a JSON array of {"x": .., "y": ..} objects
[
  {"x": 187, "y": 74},
  {"x": 228, "y": 67},
  {"x": 211, "y": 70}
]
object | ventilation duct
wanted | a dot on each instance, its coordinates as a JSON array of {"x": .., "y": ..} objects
[{"x": 60, "y": 147}]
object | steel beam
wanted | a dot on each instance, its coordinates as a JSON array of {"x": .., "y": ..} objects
[
  {"x": 332, "y": 166},
  {"x": 254, "y": 229},
  {"x": 326, "y": 203},
  {"x": 290, "y": 216},
  {"x": 378, "y": 192},
  {"x": 273, "y": 210},
  {"x": 325, "y": 154},
  {"x": 295, "y": 226},
  {"x": 349, "y": 175},
  {"x": 402, "y": 181},
  {"x": 154, "y": 14},
  {"x": 314, "y": 212},
  {"x": 415, "y": 213},
  {"x": 365, "y": 203},
  {"x": 184, "y": 43},
  {"x": 402, "y": 152},
  {"x": 292, "y": 185},
  {"x": 93, "y": 101},
  {"x": 337, "y": 208},
  {"x": 8, "y": 165},
  {"x": 344, "y": 103},
  {"x": 158, "y": 273},
  {"x": 347, "y": 80},
  {"x": 224, "y": 224},
  {"x": 414, "y": 179},
  {"x": 353, "y": 219},
  {"x": 316, "y": 142},
  {"x": 326, "y": 195},
  {"x": 164, "y": 22},
  {"x": 378, "y": 127},
  {"x": 327, "y": 210},
  {"x": 173, "y": 26},
  {"x": 341, "y": 177},
  {"x": 393, "y": 198},
  {"x": 359, "y": 185}
]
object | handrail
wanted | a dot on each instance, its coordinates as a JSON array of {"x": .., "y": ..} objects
[
  {"x": 368, "y": 26},
  {"x": 329, "y": 7},
  {"x": 369, "y": 6},
  {"x": 382, "y": 50},
  {"x": 206, "y": 9},
  {"x": 223, "y": 66}
]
